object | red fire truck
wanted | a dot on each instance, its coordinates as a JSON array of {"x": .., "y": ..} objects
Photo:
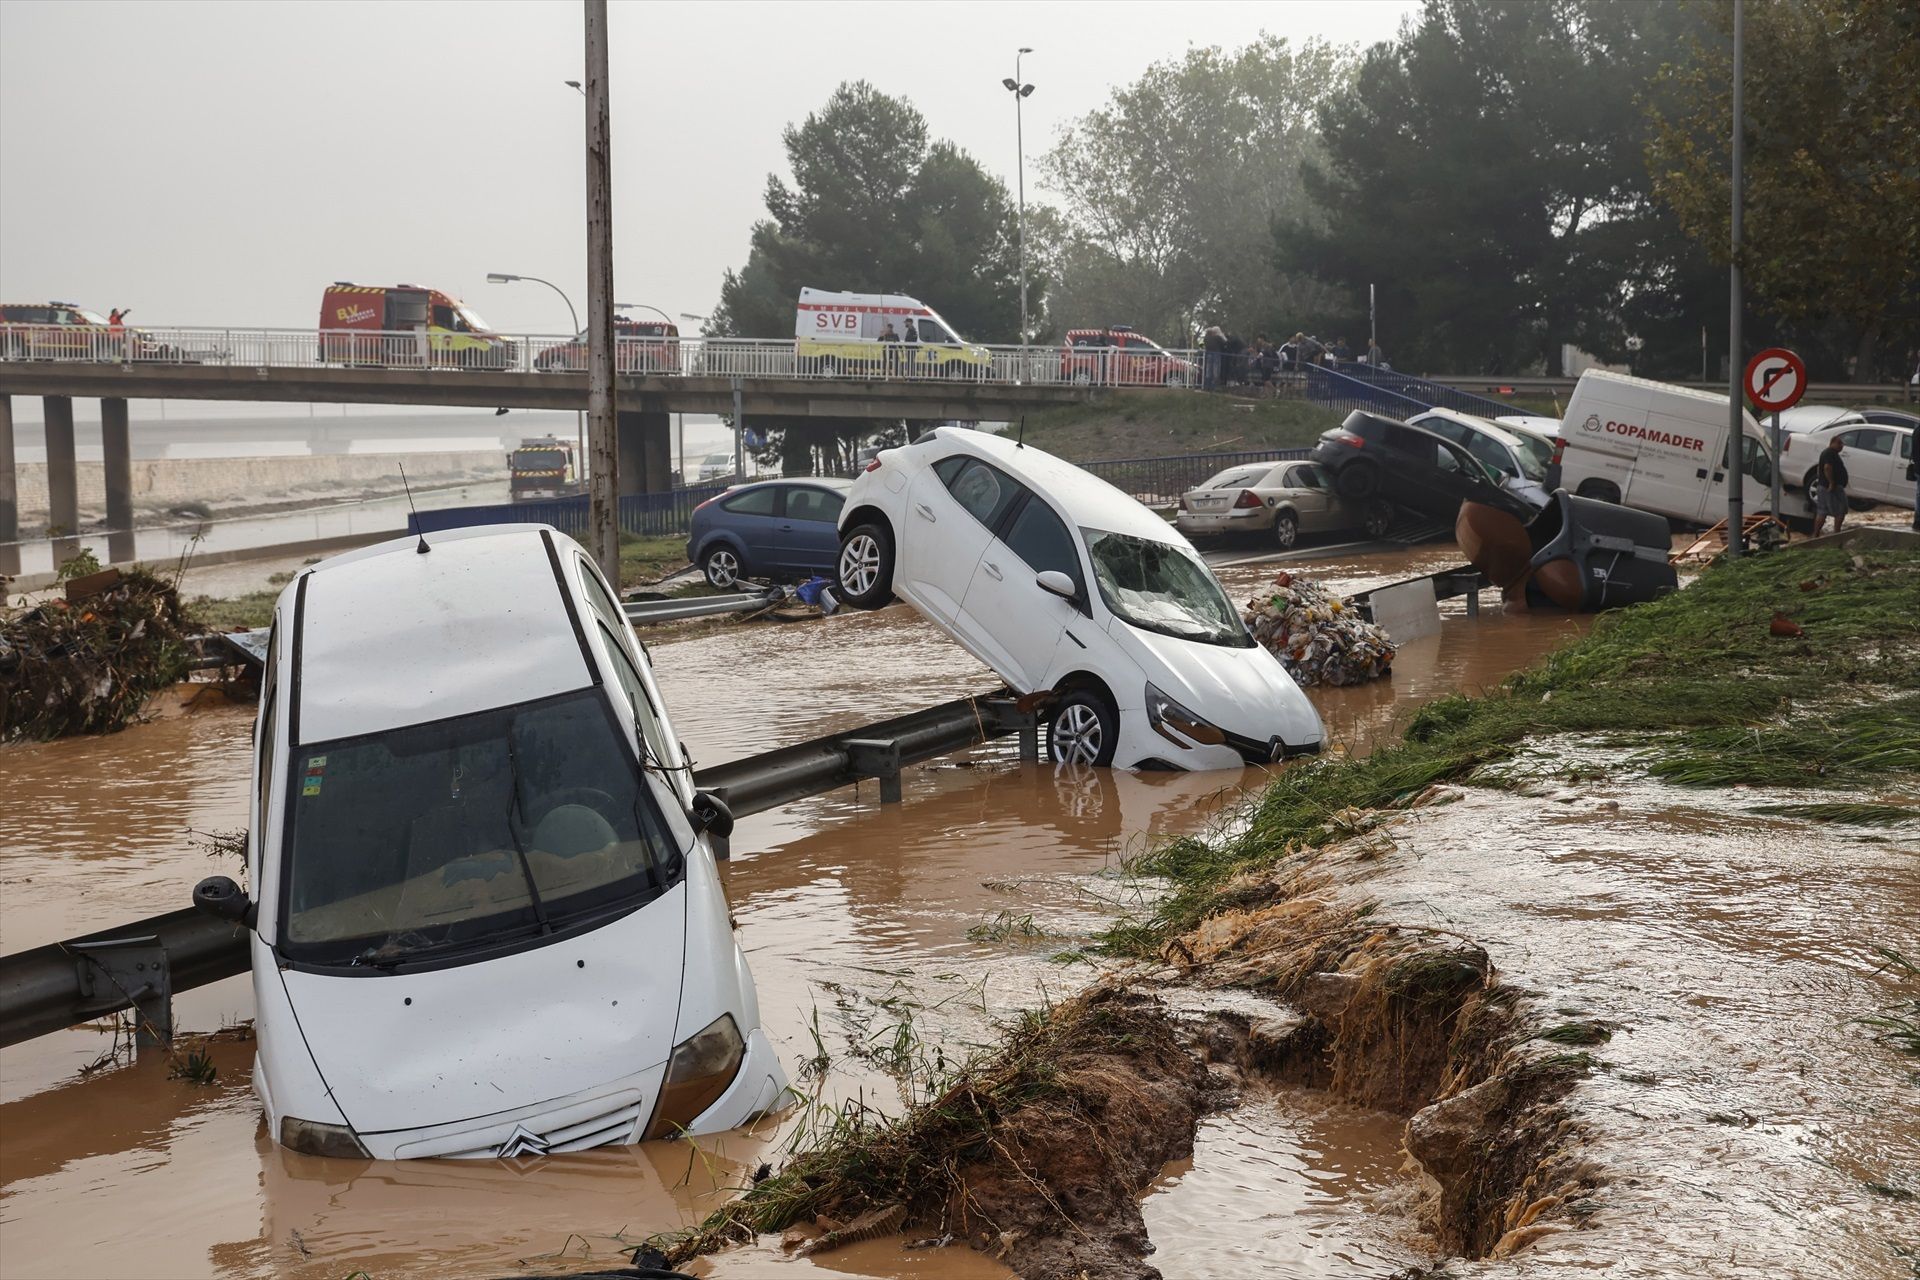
[{"x": 407, "y": 325}]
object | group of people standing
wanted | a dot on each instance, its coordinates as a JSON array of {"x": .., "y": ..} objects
[{"x": 1231, "y": 361}]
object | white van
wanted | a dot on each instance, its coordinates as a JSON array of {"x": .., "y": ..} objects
[
  {"x": 486, "y": 920},
  {"x": 845, "y": 331},
  {"x": 1659, "y": 448}
]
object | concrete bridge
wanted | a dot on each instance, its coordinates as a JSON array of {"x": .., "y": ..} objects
[{"x": 754, "y": 381}]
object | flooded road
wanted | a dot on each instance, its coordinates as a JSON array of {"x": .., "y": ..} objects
[{"x": 883, "y": 939}]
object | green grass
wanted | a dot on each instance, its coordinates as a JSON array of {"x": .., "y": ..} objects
[
  {"x": 253, "y": 610},
  {"x": 1146, "y": 424},
  {"x": 1673, "y": 677},
  {"x": 645, "y": 560}
]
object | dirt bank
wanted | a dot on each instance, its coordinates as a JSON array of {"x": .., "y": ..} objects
[{"x": 1147, "y": 424}]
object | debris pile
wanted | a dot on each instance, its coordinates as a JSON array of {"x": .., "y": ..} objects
[
  {"x": 1318, "y": 638},
  {"x": 87, "y": 663}
]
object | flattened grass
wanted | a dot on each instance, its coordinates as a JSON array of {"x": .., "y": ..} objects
[{"x": 1696, "y": 680}]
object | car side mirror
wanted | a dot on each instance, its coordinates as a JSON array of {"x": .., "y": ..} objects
[
  {"x": 1054, "y": 582},
  {"x": 220, "y": 896},
  {"x": 710, "y": 815}
]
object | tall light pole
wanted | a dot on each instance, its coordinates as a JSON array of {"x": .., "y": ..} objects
[
  {"x": 1021, "y": 90},
  {"x": 1736, "y": 362},
  {"x": 603, "y": 501},
  {"x": 680, "y": 420},
  {"x": 579, "y": 416}
]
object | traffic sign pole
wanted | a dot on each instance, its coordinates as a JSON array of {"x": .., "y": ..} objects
[{"x": 1778, "y": 462}]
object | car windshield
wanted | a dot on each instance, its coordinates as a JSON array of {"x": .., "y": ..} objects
[
  {"x": 474, "y": 322},
  {"x": 467, "y": 833},
  {"x": 538, "y": 459},
  {"x": 91, "y": 317},
  {"x": 1237, "y": 478},
  {"x": 1160, "y": 587},
  {"x": 1534, "y": 454}
]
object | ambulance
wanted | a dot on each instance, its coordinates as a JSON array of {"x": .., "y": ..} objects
[
  {"x": 1659, "y": 448},
  {"x": 409, "y": 325},
  {"x": 843, "y": 332}
]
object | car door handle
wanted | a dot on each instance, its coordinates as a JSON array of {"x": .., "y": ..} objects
[
  {"x": 993, "y": 570},
  {"x": 786, "y": 528},
  {"x": 926, "y": 512}
]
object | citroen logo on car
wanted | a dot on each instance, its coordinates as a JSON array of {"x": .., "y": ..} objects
[{"x": 521, "y": 1142}]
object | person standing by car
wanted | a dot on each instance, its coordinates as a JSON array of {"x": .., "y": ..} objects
[
  {"x": 1214, "y": 344},
  {"x": 1830, "y": 498},
  {"x": 890, "y": 357}
]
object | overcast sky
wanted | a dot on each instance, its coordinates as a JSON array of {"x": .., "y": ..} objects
[{"x": 219, "y": 163}]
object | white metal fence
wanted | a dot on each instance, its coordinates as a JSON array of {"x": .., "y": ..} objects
[{"x": 557, "y": 353}]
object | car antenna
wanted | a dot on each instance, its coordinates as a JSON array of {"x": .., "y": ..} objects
[
  {"x": 421, "y": 547},
  {"x": 1020, "y": 437}
]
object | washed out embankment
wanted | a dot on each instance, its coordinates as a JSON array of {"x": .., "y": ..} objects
[{"x": 1374, "y": 1003}]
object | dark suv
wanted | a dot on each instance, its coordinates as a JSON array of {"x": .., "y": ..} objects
[{"x": 1371, "y": 455}]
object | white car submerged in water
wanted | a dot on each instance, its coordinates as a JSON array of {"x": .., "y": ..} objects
[
  {"x": 1066, "y": 586},
  {"x": 486, "y": 922}
]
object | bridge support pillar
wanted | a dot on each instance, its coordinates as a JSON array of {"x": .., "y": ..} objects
[
  {"x": 116, "y": 448},
  {"x": 9, "y": 493},
  {"x": 63, "y": 474},
  {"x": 646, "y": 451}
]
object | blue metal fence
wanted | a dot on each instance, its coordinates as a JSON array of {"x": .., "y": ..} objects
[
  {"x": 1431, "y": 395},
  {"x": 1338, "y": 391},
  {"x": 1157, "y": 481}
]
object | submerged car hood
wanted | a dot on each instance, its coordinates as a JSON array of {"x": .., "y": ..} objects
[
  {"x": 1244, "y": 691},
  {"x": 409, "y": 1050}
]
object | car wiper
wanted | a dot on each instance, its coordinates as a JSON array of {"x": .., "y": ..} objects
[{"x": 513, "y": 831}]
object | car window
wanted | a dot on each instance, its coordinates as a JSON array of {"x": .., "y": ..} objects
[
  {"x": 930, "y": 331},
  {"x": 263, "y": 749},
  {"x": 1868, "y": 441},
  {"x": 948, "y": 468},
  {"x": 1305, "y": 478},
  {"x": 1410, "y": 442},
  {"x": 1490, "y": 451},
  {"x": 807, "y": 503},
  {"x": 1040, "y": 538},
  {"x": 597, "y": 597},
  {"x": 1536, "y": 455},
  {"x": 1454, "y": 431},
  {"x": 984, "y": 492},
  {"x": 1755, "y": 461},
  {"x": 644, "y": 714},
  {"x": 752, "y": 502},
  {"x": 1445, "y": 459},
  {"x": 1906, "y": 445}
]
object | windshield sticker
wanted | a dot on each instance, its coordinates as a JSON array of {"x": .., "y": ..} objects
[{"x": 312, "y": 788}]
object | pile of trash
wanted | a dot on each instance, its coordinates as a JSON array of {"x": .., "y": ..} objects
[
  {"x": 1318, "y": 638},
  {"x": 87, "y": 663}
]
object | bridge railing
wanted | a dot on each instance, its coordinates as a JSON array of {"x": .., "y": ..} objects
[{"x": 756, "y": 358}]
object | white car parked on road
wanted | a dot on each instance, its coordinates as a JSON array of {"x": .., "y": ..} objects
[
  {"x": 1065, "y": 585},
  {"x": 1877, "y": 458},
  {"x": 485, "y": 922}
]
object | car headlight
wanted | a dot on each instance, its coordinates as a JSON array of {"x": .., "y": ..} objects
[
  {"x": 1168, "y": 717},
  {"x": 312, "y": 1138},
  {"x": 701, "y": 1069}
]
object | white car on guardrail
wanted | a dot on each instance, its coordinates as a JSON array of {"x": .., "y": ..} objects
[
  {"x": 1070, "y": 589},
  {"x": 485, "y": 921}
]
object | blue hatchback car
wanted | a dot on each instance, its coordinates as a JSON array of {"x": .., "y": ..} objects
[{"x": 774, "y": 529}]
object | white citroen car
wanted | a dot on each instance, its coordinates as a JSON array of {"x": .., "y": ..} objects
[
  {"x": 1066, "y": 586},
  {"x": 485, "y": 919}
]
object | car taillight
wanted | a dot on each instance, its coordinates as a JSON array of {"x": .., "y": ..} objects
[
  {"x": 1247, "y": 498},
  {"x": 1559, "y": 447},
  {"x": 874, "y": 465},
  {"x": 1348, "y": 438}
]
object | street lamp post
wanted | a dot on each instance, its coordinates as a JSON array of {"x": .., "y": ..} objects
[
  {"x": 1021, "y": 90},
  {"x": 579, "y": 415},
  {"x": 680, "y": 423}
]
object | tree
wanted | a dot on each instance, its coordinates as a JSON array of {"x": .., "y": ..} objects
[
  {"x": 1171, "y": 188},
  {"x": 873, "y": 206},
  {"x": 1483, "y": 171},
  {"x": 1832, "y": 183}
]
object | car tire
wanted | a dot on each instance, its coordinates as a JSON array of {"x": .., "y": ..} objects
[
  {"x": 1377, "y": 520},
  {"x": 864, "y": 568},
  {"x": 1082, "y": 378},
  {"x": 1599, "y": 491},
  {"x": 1176, "y": 381},
  {"x": 828, "y": 367},
  {"x": 1286, "y": 530},
  {"x": 1357, "y": 480},
  {"x": 1084, "y": 728},
  {"x": 721, "y": 565},
  {"x": 1807, "y": 481}
]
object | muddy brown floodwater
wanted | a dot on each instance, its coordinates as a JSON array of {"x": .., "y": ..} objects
[{"x": 880, "y": 936}]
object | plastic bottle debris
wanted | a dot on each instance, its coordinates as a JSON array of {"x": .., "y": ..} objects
[{"x": 1318, "y": 638}]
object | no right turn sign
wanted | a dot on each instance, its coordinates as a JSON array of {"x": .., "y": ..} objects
[{"x": 1776, "y": 379}]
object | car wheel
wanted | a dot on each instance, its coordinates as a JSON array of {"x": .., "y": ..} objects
[
  {"x": 829, "y": 367},
  {"x": 1085, "y": 729},
  {"x": 865, "y": 567},
  {"x": 1176, "y": 380},
  {"x": 1377, "y": 520},
  {"x": 1357, "y": 480},
  {"x": 1599, "y": 491},
  {"x": 1807, "y": 481},
  {"x": 1286, "y": 529},
  {"x": 1082, "y": 378},
  {"x": 722, "y": 567}
]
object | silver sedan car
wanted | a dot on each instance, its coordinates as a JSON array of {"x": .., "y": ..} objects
[{"x": 1275, "y": 500}]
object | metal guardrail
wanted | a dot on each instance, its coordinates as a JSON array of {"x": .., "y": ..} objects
[
  {"x": 560, "y": 353},
  {"x": 647, "y": 612},
  {"x": 139, "y": 965}
]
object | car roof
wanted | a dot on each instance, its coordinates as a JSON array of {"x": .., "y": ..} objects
[
  {"x": 1507, "y": 435},
  {"x": 1812, "y": 417},
  {"x": 1086, "y": 500},
  {"x": 836, "y": 483},
  {"x": 389, "y": 637}
]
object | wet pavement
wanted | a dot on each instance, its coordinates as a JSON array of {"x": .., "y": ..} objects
[{"x": 880, "y": 937}]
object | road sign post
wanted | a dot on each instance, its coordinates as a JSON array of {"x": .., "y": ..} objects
[{"x": 1775, "y": 380}]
